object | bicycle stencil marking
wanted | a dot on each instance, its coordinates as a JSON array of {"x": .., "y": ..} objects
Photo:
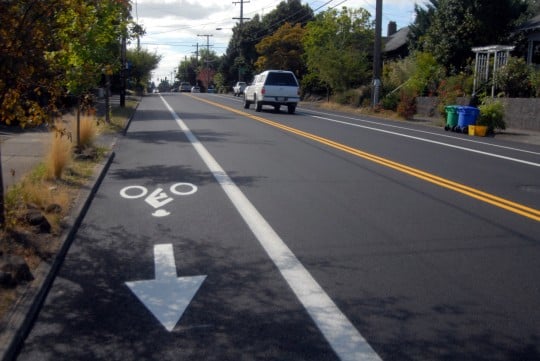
[{"x": 158, "y": 198}]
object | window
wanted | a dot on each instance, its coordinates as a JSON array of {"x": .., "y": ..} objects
[{"x": 284, "y": 79}]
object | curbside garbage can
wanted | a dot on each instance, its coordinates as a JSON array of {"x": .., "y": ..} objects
[
  {"x": 466, "y": 116},
  {"x": 451, "y": 117}
]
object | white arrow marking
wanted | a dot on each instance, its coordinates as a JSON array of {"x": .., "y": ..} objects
[{"x": 167, "y": 296}]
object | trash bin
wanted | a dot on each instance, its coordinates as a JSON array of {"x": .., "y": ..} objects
[
  {"x": 451, "y": 117},
  {"x": 466, "y": 116}
]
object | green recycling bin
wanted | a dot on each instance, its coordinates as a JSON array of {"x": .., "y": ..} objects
[{"x": 452, "y": 117}]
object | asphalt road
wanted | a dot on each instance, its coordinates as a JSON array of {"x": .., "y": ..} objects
[{"x": 312, "y": 236}]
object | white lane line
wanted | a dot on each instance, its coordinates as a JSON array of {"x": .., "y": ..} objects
[
  {"x": 430, "y": 141},
  {"x": 340, "y": 333},
  {"x": 311, "y": 112}
]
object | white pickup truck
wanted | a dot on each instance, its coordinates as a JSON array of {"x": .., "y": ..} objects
[
  {"x": 238, "y": 89},
  {"x": 275, "y": 88}
]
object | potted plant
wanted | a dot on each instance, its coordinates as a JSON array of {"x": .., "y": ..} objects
[{"x": 491, "y": 116}]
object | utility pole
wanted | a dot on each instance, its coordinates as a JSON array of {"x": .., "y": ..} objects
[
  {"x": 207, "y": 60},
  {"x": 241, "y": 18},
  {"x": 123, "y": 73},
  {"x": 196, "y": 55},
  {"x": 377, "y": 55}
]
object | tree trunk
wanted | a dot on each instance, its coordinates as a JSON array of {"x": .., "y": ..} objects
[
  {"x": 2, "y": 212},
  {"x": 78, "y": 144}
]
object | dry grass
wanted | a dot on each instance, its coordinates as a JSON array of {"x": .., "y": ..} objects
[
  {"x": 59, "y": 155},
  {"x": 382, "y": 113},
  {"x": 88, "y": 131},
  {"x": 38, "y": 191}
]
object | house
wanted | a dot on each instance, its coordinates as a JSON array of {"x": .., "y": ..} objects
[
  {"x": 396, "y": 42},
  {"x": 531, "y": 29}
]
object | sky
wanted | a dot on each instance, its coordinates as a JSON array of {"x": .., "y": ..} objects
[{"x": 174, "y": 27}]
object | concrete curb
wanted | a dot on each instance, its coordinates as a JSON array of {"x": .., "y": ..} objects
[{"x": 18, "y": 322}]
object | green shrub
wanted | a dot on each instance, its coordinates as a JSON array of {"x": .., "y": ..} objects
[
  {"x": 390, "y": 101},
  {"x": 353, "y": 97},
  {"x": 514, "y": 78},
  {"x": 427, "y": 74},
  {"x": 534, "y": 77},
  {"x": 491, "y": 114},
  {"x": 396, "y": 73}
]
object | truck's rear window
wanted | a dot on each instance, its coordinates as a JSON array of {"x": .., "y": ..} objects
[{"x": 286, "y": 79}]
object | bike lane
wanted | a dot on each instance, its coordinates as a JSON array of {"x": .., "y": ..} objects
[{"x": 159, "y": 211}]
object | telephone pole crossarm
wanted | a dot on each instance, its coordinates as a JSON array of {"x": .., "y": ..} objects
[{"x": 241, "y": 18}]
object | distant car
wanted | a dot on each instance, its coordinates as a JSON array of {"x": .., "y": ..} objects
[
  {"x": 211, "y": 90},
  {"x": 184, "y": 87},
  {"x": 238, "y": 89},
  {"x": 195, "y": 89}
]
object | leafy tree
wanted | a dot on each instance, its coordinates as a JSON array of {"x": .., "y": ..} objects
[
  {"x": 47, "y": 47},
  {"x": 290, "y": 11},
  {"x": 142, "y": 62},
  {"x": 241, "y": 55},
  {"x": 282, "y": 50},
  {"x": 337, "y": 46},
  {"x": 207, "y": 68},
  {"x": 187, "y": 70},
  {"x": 27, "y": 85},
  {"x": 422, "y": 22},
  {"x": 455, "y": 26},
  {"x": 89, "y": 38},
  {"x": 137, "y": 31}
]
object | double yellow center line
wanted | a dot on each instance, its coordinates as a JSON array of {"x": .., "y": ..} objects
[{"x": 499, "y": 202}]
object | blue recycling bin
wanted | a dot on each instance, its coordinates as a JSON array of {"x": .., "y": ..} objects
[{"x": 466, "y": 116}]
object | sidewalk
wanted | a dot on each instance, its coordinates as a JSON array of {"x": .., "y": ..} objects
[{"x": 22, "y": 151}]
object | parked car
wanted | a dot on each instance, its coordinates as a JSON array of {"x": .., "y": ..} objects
[
  {"x": 238, "y": 89},
  {"x": 195, "y": 89},
  {"x": 275, "y": 88},
  {"x": 185, "y": 87},
  {"x": 211, "y": 90}
]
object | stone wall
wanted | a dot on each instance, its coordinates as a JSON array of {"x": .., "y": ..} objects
[{"x": 520, "y": 113}]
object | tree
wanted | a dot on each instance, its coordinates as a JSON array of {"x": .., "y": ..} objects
[
  {"x": 207, "y": 68},
  {"x": 142, "y": 62},
  {"x": 337, "y": 46},
  {"x": 290, "y": 11},
  {"x": 27, "y": 85},
  {"x": 455, "y": 26},
  {"x": 422, "y": 22},
  {"x": 282, "y": 50},
  {"x": 241, "y": 54},
  {"x": 50, "y": 47},
  {"x": 89, "y": 36},
  {"x": 187, "y": 70}
]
